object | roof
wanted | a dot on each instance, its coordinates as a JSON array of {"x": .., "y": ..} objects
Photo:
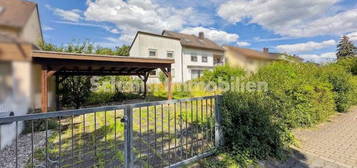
[
  {"x": 150, "y": 34},
  {"x": 97, "y": 65},
  {"x": 193, "y": 41},
  {"x": 251, "y": 53},
  {"x": 15, "y": 13},
  {"x": 95, "y": 57}
]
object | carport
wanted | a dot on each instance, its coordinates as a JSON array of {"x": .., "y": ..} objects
[{"x": 77, "y": 64}]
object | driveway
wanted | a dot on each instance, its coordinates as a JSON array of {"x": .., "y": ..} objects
[{"x": 332, "y": 144}]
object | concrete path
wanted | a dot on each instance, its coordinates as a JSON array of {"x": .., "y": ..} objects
[{"x": 332, "y": 144}]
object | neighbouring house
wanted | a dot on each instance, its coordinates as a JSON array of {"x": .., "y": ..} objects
[
  {"x": 248, "y": 59},
  {"x": 192, "y": 54},
  {"x": 20, "y": 30}
]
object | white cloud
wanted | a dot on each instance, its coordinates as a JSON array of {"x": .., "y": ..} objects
[
  {"x": 218, "y": 36},
  {"x": 133, "y": 15},
  {"x": 243, "y": 44},
  {"x": 47, "y": 28},
  {"x": 301, "y": 18},
  {"x": 303, "y": 47},
  {"x": 352, "y": 36},
  {"x": 73, "y": 15},
  {"x": 322, "y": 58}
]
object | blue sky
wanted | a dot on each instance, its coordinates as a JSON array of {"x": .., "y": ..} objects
[{"x": 308, "y": 28}]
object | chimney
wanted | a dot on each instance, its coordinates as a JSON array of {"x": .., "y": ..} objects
[
  {"x": 266, "y": 50},
  {"x": 201, "y": 35}
]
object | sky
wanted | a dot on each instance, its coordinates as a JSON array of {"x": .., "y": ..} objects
[{"x": 310, "y": 29}]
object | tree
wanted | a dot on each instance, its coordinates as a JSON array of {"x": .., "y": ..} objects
[
  {"x": 122, "y": 51},
  {"x": 345, "y": 48}
]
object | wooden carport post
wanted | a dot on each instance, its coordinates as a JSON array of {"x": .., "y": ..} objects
[
  {"x": 167, "y": 72},
  {"x": 45, "y": 74},
  {"x": 145, "y": 78}
]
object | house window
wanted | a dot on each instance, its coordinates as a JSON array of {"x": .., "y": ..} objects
[
  {"x": 170, "y": 54},
  {"x": 153, "y": 73},
  {"x": 196, "y": 74},
  {"x": 152, "y": 52},
  {"x": 194, "y": 57},
  {"x": 204, "y": 59}
]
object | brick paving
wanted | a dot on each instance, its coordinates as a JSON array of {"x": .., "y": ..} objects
[
  {"x": 334, "y": 141},
  {"x": 332, "y": 144}
]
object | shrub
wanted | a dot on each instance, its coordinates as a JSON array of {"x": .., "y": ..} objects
[
  {"x": 343, "y": 85},
  {"x": 305, "y": 98},
  {"x": 250, "y": 127},
  {"x": 222, "y": 74}
]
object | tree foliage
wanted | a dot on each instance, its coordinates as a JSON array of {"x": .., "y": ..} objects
[{"x": 345, "y": 48}]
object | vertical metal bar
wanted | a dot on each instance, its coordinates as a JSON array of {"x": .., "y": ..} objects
[
  {"x": 168, "y": 125},
  {"x": 95, "y": 137},
  {"x": 162, "y": 131},
  {"x": 207, "y": 125},
  {"x": 186, "y": 136},
  {"x": 17, "y": 127},
  {"x": 175, "y": 116},
  {"x": 218, "y": 129},
  {"x": 181, "y": 143},
  {"x": 59, "y": 141},
  {"x": 115, "y": 132},
  {"x": 192, "y": 130},
  {"x": 155, "y": 129},
  {"x": 47, "y": 143},
  {"x": 148, "y": 131},
  {"x": 196, "y": 128},
  {"x": 83, "y": 137},
  {"x": 140, "y": 135},
  {"x": 128, "y": 125},
  {"x": 105, "y": 138},
  {"x": 211, "y": 124},
  {"x": 72, "y": 143},
  {"x": 202, "y": 129},
  {"x": 32, "y": 143}
]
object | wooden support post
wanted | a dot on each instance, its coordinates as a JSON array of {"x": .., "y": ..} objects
[
  {"x": 145, "y": 78},
  {"x": 57, "y": 96},
  {"x": 44, "y": 89},
  {"x": 169, "y": 83}
]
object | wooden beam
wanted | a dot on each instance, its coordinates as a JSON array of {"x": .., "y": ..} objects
[
  {"x": 44, "y": 89},
  {"x": 169, "y": 83}
]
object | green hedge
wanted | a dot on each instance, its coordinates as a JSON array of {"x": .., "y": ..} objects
[{"x": 257, "y": 125}]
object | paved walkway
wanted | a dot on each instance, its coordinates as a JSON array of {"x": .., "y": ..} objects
[{"x": 332, "y": 144}]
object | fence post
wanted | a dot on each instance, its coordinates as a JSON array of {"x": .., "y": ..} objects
[
  {"x": 218, "y": 118},
  {"x": 128, "y": 127}
]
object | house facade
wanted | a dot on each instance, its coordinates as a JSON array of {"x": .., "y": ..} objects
[
  {"x": 192, "y": 54},
  {"x": 248, "y": 59},
  {"x": 19, "y": 77}
]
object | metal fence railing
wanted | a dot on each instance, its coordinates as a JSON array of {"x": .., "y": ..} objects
[{"x": 153, "y": 134}]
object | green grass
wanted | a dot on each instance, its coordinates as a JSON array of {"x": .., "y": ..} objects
[{"x": 109, "y": 130}]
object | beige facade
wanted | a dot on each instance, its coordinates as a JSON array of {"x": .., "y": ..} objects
[{"x": 247, "y": 59}]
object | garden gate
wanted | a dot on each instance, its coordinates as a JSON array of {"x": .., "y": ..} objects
[{"x": 167, "y": 133}]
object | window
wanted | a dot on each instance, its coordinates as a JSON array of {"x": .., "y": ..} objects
[
  {"x": 170, "y": 54},
  {"x": 153, "y": 73},
  {"x": 204, "y": 59},
  {"x": 194, "y": 57},
  {"x": 196, "y": 74},
  {"x": 152, "y": 52}
]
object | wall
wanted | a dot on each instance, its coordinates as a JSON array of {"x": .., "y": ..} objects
[
  {"x": 12, "y": 99},
  {"x": 144, "y": 42},
  {"x": 188, "y": 65}
]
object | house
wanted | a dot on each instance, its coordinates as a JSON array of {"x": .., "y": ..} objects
[
  {"x": 248, "y": 59},
  {"x": 20, "y": 31},
  {"x": 192, "y": 54}
]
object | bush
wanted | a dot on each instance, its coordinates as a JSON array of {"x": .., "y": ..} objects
[
  {"x": 250, "y": 127},
  {"x": 304, "y": 96},
  {"x": 343, "y": 86}
]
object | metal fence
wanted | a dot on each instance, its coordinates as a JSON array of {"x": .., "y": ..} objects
[{"x": 155, "y": 134}]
